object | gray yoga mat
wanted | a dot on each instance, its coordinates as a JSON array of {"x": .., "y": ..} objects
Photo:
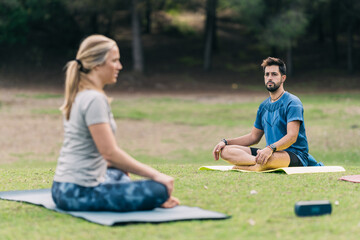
[{"x": 42, "y": 197}]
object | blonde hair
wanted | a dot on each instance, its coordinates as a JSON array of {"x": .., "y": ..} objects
[{"x": 92, "y": 52}]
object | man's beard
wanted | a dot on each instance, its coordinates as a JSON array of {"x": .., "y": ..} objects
[{"x": 273, "y": 88}]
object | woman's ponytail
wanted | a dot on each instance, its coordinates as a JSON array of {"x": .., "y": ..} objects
[{"x": 71, "y": 86}]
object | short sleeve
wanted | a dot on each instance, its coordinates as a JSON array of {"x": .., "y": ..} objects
[
  {"x": 295, "y": 112},
  {"x": 257, "y": 123},
  {"x": 97, "y": 111}
]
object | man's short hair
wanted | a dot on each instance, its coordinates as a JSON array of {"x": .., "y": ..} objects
[{"x": 270, "y": 61}]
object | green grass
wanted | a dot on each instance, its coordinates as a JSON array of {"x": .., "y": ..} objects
[
  {"x": 40, "y": 95},
  {"x": 269, "y": 214},
  {"x": 46, "y": 111},
  {"x": 188, "y": 112},
  {"x": 272, "y": 209},
  {"x": 190, "y": 61}
]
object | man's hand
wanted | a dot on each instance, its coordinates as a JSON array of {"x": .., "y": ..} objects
[
  {"x": 217, "y": 150},
  {"x": 263, "y": 156}
]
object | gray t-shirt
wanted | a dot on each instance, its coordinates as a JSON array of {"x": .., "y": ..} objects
[{"x": 80, "y": 161}]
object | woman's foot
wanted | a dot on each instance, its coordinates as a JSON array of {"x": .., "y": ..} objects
[{"x": 171, "y": 202}]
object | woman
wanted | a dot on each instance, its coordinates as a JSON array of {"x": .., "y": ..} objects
[{"x": 91, "y": 174}]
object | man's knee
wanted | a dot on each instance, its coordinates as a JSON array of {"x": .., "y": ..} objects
[
  {"x": 226, "y": 152},
  {"x": 232, "y": 151}
]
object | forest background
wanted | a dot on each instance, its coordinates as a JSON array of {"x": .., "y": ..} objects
[{"x": 185, "y": 44}]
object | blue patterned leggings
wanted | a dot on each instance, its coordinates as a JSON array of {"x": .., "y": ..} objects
[{"x": 117, "y": 193}]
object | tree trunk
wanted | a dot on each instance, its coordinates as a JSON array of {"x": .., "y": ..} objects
[
  {"x": 94, "y": 22},
  {"x": 350, "y": 48},
  {"x": 320, "y": 25},
  {"x": 289, "y": 62},
  {"x": 210, "y": 26},
  {"x": 274, "y": 51},
  {"x": 148, "y": 17},
  {"x": 215, "y": 43},
  {"x": 108, "y": 28},
  {"x": 137, "y": 51},
  {"x": 334, "y": 20}
]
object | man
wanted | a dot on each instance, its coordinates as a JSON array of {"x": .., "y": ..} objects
[{"x": 281, "y": 118}]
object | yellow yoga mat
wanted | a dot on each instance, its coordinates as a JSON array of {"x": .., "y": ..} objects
[{"x": 287, "y": 170}]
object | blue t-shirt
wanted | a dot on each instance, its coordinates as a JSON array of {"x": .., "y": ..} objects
[{"x": 273, "y": 118}]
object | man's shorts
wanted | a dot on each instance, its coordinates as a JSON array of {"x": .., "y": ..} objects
[{"x": 294, "y": 160}]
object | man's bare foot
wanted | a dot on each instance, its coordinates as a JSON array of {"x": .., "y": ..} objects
[
  {"x": 171, "y": 202},
  {"x": 255, "y": 168}
]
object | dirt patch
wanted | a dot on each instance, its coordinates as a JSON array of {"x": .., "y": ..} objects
[
  {"x": 353, "y": 110},
  {"x": 161, "y": 139},
  {"x": 26, "y": 133}
]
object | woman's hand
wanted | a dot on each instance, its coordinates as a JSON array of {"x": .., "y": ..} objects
[
  {"x": 169, "y": 183},
  {"x": 217, "y": 150},
  {"x": 166, "y": 180}
]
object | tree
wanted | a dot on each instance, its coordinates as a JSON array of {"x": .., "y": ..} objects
[
  {"x": 276, "y": 23},
  {"x": 283, "y": 31},
  {"x": 350, "y": 9},
  {"x": 210, "y": 32},
  {"x": 13, "y": 22},
  {"x": 46, "y": 20},
  {"x": 148, "y": 19},
  {"x": 334, "y": 20},
  {"x": 137, "y": 50},
  {"x": 95, "y": 16}
]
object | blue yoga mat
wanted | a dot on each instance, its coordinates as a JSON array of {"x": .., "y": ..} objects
[{"x": 42, "y": 197}]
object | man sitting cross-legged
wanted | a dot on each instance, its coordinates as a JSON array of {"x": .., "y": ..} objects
[{"x": 281, "y": 118}]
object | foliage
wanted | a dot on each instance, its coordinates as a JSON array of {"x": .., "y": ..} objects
[
  {"x": 190, "y": 61},
  {"x": 42, "y": 27},
  {"x": 250, "y": 12},
  {"x": 180, "y": 5},
  {"x": 284, "y": 30},
  {"x": 275, "y": 24},
  {"x": 37, "y": 22},
  {"x": 13, "y": 22}
]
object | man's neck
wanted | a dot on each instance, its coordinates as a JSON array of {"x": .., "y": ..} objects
[{"x": 277, "y": 94}]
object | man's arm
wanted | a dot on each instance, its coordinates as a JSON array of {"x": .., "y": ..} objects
[
  {"x": 247, "y": 140},
  {"x": 291, "y": 136},
  {"x": 285, "y": 142}
]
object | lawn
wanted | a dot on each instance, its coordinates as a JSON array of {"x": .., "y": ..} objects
[{"x": 176, "y": 134}]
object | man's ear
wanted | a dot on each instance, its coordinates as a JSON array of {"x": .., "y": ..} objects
[{"x": 283, "y": 78}]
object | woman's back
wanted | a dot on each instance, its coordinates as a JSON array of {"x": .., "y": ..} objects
[{"x": 80, "y": 162}]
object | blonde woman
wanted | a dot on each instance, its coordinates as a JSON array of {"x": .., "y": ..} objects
[{"x": 91, "y": 174}]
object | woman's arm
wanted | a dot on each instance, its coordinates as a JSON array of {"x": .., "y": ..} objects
[{"x": 107, "y": 146}]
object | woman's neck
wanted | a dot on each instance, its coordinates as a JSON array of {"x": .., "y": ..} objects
[{"x": 90, "y": 82}]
